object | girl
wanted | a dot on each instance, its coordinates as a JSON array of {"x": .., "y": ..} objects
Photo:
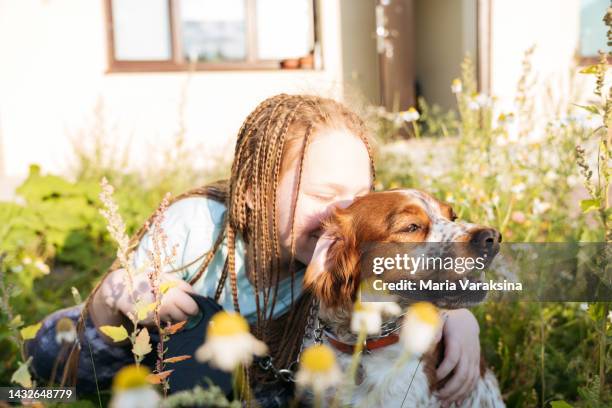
[{"x": 245, "y": 242}]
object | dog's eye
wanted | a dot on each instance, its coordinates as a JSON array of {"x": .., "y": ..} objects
[{"x": 411, "y": 228}]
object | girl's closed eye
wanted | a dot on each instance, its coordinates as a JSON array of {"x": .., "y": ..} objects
[{"x": 323, "y": 196}]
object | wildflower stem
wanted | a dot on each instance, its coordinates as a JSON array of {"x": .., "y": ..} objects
[
  {"x": 355, "y": 359},
  {"x": 415, "y": 127}
]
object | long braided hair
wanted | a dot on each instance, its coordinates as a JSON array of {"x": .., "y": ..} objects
[{"x": 273, "y": 137}]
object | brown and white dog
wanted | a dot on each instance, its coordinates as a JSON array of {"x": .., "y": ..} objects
[{"x": 334, "y": 276}]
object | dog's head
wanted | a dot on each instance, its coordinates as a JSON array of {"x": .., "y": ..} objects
[{"x": 393, "y": 217}]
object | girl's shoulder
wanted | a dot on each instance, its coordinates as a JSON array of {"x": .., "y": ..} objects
[{"x": 195, "y": 211}]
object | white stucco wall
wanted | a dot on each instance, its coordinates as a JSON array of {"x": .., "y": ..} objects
[
  {"x": 553, "y": 26},
  {"x": 53, "y": 73}
]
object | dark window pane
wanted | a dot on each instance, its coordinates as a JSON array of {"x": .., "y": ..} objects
[
  {"x": 141, "y": 30},
  {"x": 213, "y": 30},
  {"x": 592, "y": 28}
]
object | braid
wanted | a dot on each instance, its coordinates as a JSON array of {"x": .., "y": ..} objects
[{"x": 231, "y": 254}]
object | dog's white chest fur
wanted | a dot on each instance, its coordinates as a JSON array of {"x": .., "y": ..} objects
[{"x": 384, "y": 383}]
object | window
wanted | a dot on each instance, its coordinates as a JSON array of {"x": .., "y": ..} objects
[
  {"x": 592, "y": 28},
  {"x": 169, "y": 35}
]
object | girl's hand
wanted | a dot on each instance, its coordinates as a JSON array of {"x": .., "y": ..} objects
[
  {"x": 176, "y": 304},
  {"x": 461, "y": 354}
]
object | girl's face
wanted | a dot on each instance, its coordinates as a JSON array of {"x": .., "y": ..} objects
[{"x": 336, "y": 169}]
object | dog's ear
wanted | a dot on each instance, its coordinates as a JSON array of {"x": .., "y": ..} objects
[{"x": 333, "y": 272}]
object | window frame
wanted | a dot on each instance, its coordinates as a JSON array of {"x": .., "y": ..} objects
[{"x": 178, "y": 63}]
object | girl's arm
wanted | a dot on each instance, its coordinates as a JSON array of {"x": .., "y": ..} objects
[{"x": 461, "y": 354}]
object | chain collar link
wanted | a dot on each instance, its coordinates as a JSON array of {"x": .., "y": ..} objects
[{"x": 313, "y": 330}]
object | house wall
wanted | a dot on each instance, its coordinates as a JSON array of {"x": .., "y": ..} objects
[
  {"x": 553, "y": 27},
  {"x": 53, "y": 78}
]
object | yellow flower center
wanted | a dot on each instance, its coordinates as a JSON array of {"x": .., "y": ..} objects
[
  {"x": 227, "y": 324},
  {"x": 318, "y": 359},
  {"x": 456, "y": 82},
  {"x": 411, "y": 110},
  {"x": 425, "y": 312},
  {"x": 130, "y": 377},
  {"x": 64, "y": 325}
]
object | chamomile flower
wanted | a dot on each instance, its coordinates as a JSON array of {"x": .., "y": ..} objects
[
  {"x": 540, "y": 207},
  {"x": 318, "y": 369},
  {"x": 65, "y": 331},
  {"x": 41, "y": 266},
  {"x": 505, "y": 118},
  {"x": 483, "y": 100},
  {"x": 368, "y": 315},
  {"x": 132, "y": 390},
  {"x": 473, "y": 105},
  {"x": 456, "y": 86},
  {"x": 419, "y": 327},
  {"x": 229, "y": 342},
  {"x": 410, "y": 115},
  {"x": 518, "y": 189}
]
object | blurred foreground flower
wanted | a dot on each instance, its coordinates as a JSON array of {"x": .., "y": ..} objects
[
  {"x": 419, "y": 327},
  {"x": 65, "y": 331},
  {"x": 368, "y": 315},
  {"x": 229, "y": 342},
  {"x": 318, "y": 369},
  {"x": 410, "y": 115},
  {"x": 132, "y": 390}
]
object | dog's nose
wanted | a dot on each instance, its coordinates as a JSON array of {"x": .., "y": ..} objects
[{"x": 487, "y": 239}]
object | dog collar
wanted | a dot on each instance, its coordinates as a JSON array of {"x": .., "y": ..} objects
[{"x": 368, "y": 344}]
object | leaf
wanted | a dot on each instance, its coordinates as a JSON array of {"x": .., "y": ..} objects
[
  {"x": 175, "y": 327},
  {"x": 142, "y": 310},
  {"x": 22, "y": 375},
  {"x": 16, "y": 322},
  {"x": 594, "y": 109},
  {"x": 560, "y": 404},
  {"x": 117, "y": 333},
  {"x": 29, "y": 332},
  {"x": 177, "y": 359},
  {"x": 142, "y": 346},
  {"x": 158, "y": 378},
  {"x": 166, "y": 286},
  {"x": 76, "y": 295},
  {"x": 591, "y": 69},
  {"x": 589, "y": 205}
]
